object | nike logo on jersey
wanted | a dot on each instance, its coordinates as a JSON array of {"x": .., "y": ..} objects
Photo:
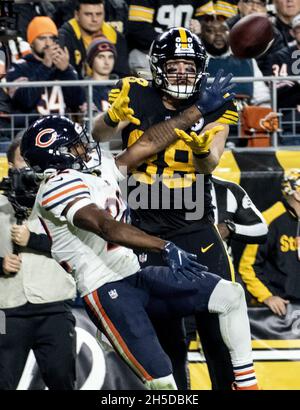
[{"x": 203, "y": 250}]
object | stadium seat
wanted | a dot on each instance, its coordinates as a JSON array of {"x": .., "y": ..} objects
[{"x": 252, "y": 126}]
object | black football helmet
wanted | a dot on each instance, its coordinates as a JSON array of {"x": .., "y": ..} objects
[
  {"x": 47, "y": 142},
  {"x": 177, "y": 43}
]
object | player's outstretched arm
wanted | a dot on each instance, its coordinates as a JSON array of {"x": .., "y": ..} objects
[
  {"x": 108, "y": 124},
  {"x": 159, "y": 136},
  {"x": 93, "y": 219}
]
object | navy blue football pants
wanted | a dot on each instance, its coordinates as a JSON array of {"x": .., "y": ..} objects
[{"x": 124, "y": 311}]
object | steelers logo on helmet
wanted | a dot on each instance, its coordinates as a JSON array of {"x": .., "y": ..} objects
[
  {"x": 178, "y": 43},
  {"x": 291, "y": 182}
]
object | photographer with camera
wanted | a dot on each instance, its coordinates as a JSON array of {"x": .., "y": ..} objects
[{"x": 35, "y": 291}]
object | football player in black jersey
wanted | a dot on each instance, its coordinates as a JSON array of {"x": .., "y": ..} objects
[{"x": 180, "y": 208}]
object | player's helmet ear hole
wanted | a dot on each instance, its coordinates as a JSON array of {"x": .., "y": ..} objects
[{"x": 177, "y": 43}]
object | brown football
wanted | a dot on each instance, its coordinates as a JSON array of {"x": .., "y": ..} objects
[{"x": 251, "y": 36}]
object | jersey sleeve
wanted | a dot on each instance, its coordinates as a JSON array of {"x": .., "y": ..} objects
[
  {"x": 249, "y": 222},
  {"x": 61, "y": 190},
  {"x": 140, "y": 23},
  {"x": 109, "y": 164},
  {"x": 251, "y": 264},
  {"x": 227, "y": 114}
]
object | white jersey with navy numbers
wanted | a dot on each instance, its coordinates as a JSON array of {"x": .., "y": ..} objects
[{"x": 93, "y": 260}]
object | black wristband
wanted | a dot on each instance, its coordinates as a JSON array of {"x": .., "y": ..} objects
[
  {"x": 202, "y": 155},
  {"x": 109, "y": 122}
]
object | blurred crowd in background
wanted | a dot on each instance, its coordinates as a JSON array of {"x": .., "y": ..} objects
[{"x": 106, "y": 40}]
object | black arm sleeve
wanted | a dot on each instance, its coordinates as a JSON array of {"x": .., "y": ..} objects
[
  {"x": 39, "y": 242},
  {"x": 1, "y": 267}
]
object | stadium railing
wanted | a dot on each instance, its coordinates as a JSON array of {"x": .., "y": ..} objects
[{"x": 290, "y": 123}]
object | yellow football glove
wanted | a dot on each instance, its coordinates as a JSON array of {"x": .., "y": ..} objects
[
  {"x": 199, "y": 144},
  {"x": 120, "y": 111},
  {"x": 113, "y": 95}
]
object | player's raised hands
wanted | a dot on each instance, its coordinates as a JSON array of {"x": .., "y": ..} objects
[
  {"x": 199, "y": 144},
  {"x": 120, "y": 110},
  {"x": 213, "y": 96}
]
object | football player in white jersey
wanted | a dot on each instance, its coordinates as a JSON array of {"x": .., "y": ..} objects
[{"x": 83, "y": 215}]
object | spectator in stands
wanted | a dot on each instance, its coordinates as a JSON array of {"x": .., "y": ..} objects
[
  {"x": 284, "y": 63},
  {"x": 64, "y": 11},
  {"x": 101, "y": 57},
  {"x": 27, "y": 10},
  {"x": 225, "y": 9},
  {"x": 148, "y": 18},
  {"x": 88, "y": 23},
  {"x": 215, "y": 39},
  {"x": 15, "y": 48},
  {"x": 35, "y": 295},
  {"x": 247, "y": 7},
  {"x": 48, "y": 61},
  {"x": 116, "y": 12},
  {"x": 286, "y": 10},
  {"x": 271, "y": 270},
  {"x": 12, "y": 41}
]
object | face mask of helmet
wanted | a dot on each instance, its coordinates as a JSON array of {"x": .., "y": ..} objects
[
  {"x": 84, "y": 154},
  {"x": 181, "y": 85}
]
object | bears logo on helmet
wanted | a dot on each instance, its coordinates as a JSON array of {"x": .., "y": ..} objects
[{"x": 42, "y": 142}]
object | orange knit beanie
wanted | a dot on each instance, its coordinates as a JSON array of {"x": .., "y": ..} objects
[{"x": 39, "y": 26}]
